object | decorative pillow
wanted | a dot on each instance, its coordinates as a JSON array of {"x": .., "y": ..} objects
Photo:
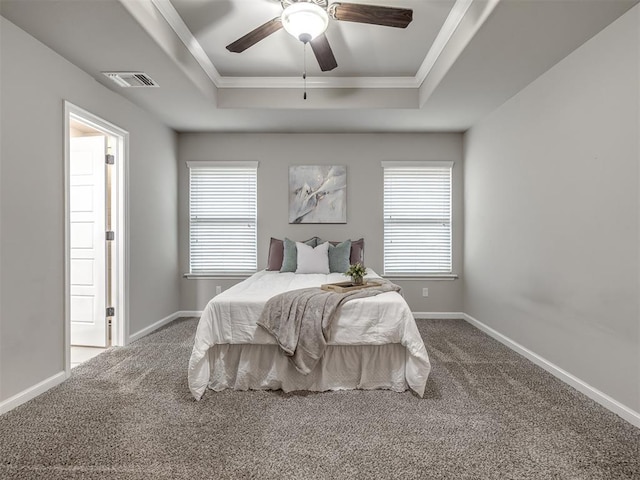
[
  {"x": 313, "y": 260},
  {"x": 276, "y": 254},
  {"x": 339, "y": 257},
  {"x": 357, "y": 251},
  {"x": 290, "y": 254}
]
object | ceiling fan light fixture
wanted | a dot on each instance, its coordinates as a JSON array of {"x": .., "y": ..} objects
[{"x": 305, "y": 20}]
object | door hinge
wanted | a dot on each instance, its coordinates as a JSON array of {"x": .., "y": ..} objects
[
  {"x": 111, "y": 311},
  {"x": 110, "y": 235},
  {"x": 110, "y": 159}
]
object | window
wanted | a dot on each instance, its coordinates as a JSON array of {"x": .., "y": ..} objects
[
  {"x": 417, "y": 218},
  {"x": 222, "y": 217}
]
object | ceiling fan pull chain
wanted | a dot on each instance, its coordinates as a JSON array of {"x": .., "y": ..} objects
[{"x": 304, "y": 71}]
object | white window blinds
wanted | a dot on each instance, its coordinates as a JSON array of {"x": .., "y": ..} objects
[
  {"x": 417, "y": 218},
  {"x": 222, "y": 217}
]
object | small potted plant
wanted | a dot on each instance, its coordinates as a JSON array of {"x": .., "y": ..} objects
[{"x": 357, "y": 271}]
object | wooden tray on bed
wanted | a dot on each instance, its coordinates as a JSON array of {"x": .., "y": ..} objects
[{"x": 342, "y": 287}]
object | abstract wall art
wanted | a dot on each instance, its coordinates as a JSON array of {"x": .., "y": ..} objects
[{"x": 318, "y": 194}]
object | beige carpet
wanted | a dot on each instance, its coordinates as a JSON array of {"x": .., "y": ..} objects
[{"x": 487, "y": 414}]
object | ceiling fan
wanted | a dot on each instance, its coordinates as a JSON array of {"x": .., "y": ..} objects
[{"x": 307, "y": 20}]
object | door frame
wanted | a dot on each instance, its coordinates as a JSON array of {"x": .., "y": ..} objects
[{"x": 120, "y": 272}]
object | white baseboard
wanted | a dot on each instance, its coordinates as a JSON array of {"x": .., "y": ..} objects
[
  {"x": 154, "y": 326},
  {"x": 438, "y": 315},
  {"x": 161, "y": 323},
  {"x": 603, "y": 399},
  {"x": 32, "y": 392}
]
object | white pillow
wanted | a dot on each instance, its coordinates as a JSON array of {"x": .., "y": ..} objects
[{"x": 313, "y": 260}]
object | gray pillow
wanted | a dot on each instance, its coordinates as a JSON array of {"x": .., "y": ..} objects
[
  {"x": 290, "y": 254},
  {"x": 339, "y": 257}
]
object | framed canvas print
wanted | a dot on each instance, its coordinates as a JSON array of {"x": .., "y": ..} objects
[{"x": 318, "y": 194}]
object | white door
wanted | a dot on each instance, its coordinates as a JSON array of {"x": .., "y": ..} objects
[{"x": 87, "y": 241}]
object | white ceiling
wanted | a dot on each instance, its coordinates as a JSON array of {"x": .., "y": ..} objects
[
  {"x": 456, "y": 62},
  {"x": 360, "y": 49}
]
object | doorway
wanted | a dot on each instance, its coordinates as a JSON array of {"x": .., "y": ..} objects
[{"x": 95, "y": 236}]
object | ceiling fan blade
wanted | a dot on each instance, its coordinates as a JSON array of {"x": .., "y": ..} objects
[
  {"x": 254, "y": 36},
  {"x": 324, "y": 54},
  {"x": 373, "y": 14}
]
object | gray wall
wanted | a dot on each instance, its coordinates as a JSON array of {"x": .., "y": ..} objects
[
  {"x": 34, "y": 82},
  {"x": 552, "y": 214},
  {"x": 362, "y": 153}
]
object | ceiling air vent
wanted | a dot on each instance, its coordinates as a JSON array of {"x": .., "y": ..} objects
[{"x": 131, "y": 79}]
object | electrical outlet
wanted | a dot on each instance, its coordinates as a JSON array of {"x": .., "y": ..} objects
[
  {"x": 425, "y": 292},
  {"x": 218, "y": 289}
]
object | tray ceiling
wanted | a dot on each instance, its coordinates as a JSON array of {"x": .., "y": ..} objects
[
  {"x": 361, "y": 50},
  {"x": 456, "y": 62}
]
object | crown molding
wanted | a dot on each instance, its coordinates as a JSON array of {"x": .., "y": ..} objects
[
  {"x": 318, "y": 82},
  {"x": 173, "y": 18},
  {"x": 467, "y": 23},
  {"x": 450, "y": 25}
]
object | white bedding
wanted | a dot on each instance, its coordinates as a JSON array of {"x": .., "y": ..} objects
[{"x": 230, "y": 319}]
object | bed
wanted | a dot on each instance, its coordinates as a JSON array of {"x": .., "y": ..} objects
[{"x": 373, "y": 343}]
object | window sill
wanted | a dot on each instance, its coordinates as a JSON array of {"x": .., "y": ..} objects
[
  {"x": 216, "y": 276},
  {"x": 435, "y": 276}
]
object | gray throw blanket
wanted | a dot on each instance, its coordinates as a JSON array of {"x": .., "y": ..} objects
[{"x": 300, "y": 320}]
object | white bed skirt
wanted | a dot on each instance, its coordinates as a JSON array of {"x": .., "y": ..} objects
[{"x": 264, "y": 367}]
